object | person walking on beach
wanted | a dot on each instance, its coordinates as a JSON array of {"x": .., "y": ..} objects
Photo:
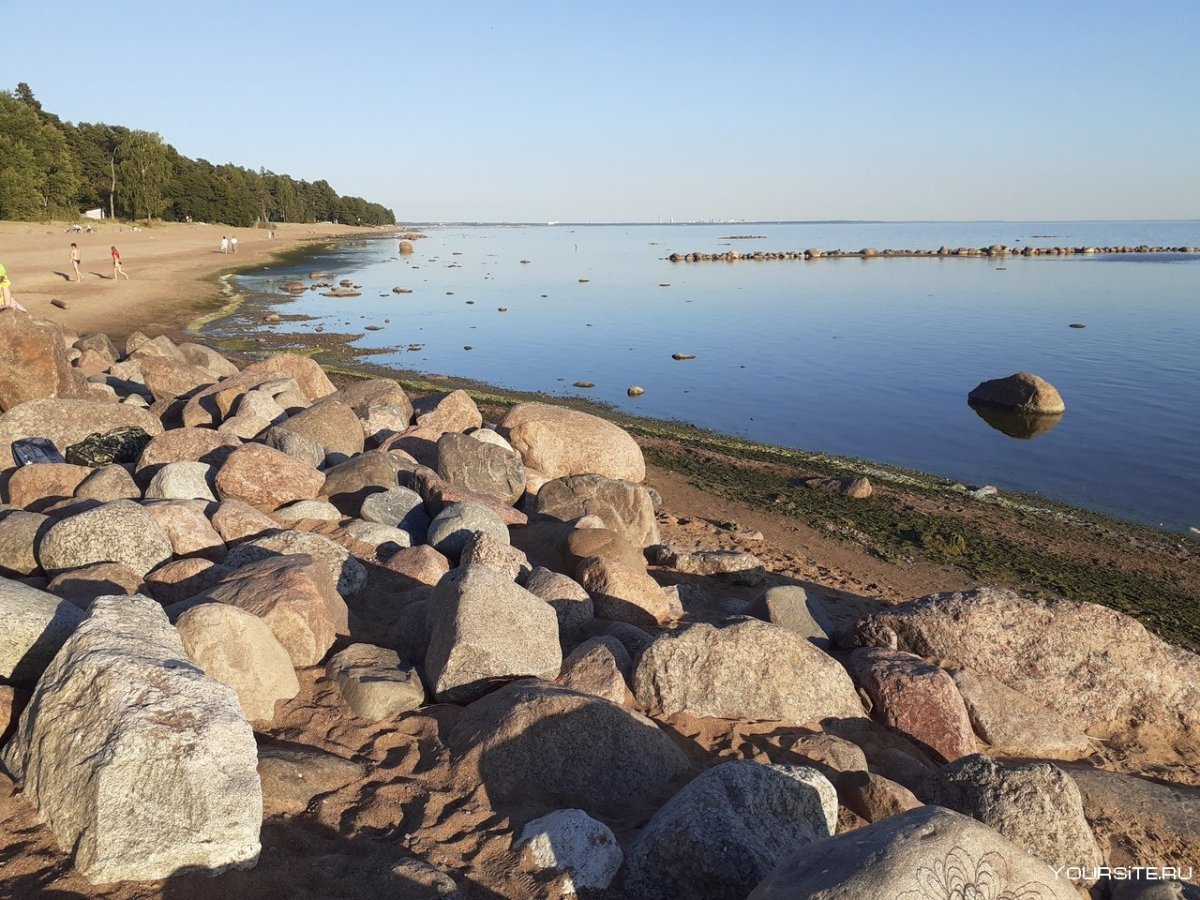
[
  {"x": 233, "y": 244},
  {"x": 117, "y": 270},
  {"x": 6, "y": 297},
  {"x": 224, "y": 244},
  {"x": 75, "y": 261}
]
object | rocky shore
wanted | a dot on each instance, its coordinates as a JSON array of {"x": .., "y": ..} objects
[
  {"x": 265, "y": 636},
  {"x": 995, "y": 251}
]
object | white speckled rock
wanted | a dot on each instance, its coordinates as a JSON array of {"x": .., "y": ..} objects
[
  {"x": 33, "y": 626},
  {"x": 139, "y": 763},
  {"x": 121, "y": 531},
  {"x": 570, "y": 842}
]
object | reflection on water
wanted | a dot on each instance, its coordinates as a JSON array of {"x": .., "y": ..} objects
[
  {"x": 1025, "y": 426},
  {"x": 864, "y": 358}
]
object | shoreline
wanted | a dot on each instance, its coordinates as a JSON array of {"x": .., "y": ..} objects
[
  {"x": 175, "y": 269},
  {"x": 915, "y": 518}
]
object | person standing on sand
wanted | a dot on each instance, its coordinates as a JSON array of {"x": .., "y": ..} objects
[
  {"x": 75, "y": 261},
  {"x": 117, "y": 270},
  {"x": 233, "y": 244},
  {"x": 224, "y": 244},
  {"x": 6, "y": 298}
]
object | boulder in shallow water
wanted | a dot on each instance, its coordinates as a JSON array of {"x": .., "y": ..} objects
[{"x": 1022, "y": 392}]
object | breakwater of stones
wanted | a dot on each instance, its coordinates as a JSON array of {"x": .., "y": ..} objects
[{"x": 996, "y": 250}]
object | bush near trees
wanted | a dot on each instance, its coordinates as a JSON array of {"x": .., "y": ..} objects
[{"x": 55, "y": 169}]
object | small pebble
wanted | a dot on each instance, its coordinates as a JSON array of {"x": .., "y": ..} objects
[{"x": 584, "y": 384}]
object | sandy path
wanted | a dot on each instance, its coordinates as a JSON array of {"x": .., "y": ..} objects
[{"x": 172, "y": 269}]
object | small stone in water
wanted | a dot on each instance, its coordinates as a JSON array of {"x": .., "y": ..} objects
[
  {"x": 683, "y": 356},
  {"x": 584, "y": 384},
  {"x": 635, "y": 390},
  {"x": 1077, "y": 325}
]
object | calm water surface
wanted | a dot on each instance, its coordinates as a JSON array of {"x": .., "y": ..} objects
[{"x": 867, "y": 358}]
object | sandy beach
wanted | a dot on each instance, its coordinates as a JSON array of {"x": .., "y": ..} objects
[{"x": 172, "y": 269}]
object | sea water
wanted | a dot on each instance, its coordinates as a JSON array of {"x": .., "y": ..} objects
[{"x": 871, "y": 358}]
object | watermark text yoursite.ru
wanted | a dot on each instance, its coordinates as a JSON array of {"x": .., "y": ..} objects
[{"x": 1123, "y": 873}]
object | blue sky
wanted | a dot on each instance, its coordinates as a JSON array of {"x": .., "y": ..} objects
[{"x": 574, "y": 111}]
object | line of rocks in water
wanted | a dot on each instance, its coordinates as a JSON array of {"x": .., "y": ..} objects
[
  {"x": 233, "y": 534},
  {"x": 996, "y": 250}
]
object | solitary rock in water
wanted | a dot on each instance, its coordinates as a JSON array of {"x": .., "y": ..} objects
[
  {"x": 1077, "y": 325},
  {"x": 635, "y": 390},
  {"x": 405, "y": 247},
  {"x": 683, "y": 356},
  {"x": 1022, "y": 392}
]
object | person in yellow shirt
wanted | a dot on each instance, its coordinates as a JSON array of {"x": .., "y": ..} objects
[{"x": 6, "y": 297}]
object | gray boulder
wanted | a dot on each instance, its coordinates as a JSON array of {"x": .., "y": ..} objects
[
  {"x": 748, "y": 670},
  {"x": 450, "y": 529},
  {"x": 926, "y": 854},
  {"x": 33, "y": 626},
  {"x": 723, "y": 833},
  {"x": 485, "y": 629},
  {"x": 549, "y": 747},
  {"x": 1036, "y": 806},
  {"x": 121, "y": 531},
  {"x": 20, "y": 532},
  {"x": 790, "y": 606},
  {"x": 623, "y": 506},
  {"x": 119, "y": 702},
  {"x": 374, "y": 683},
  {"x": 400, "y": 507},
  {"x": 477, "y": 466}
]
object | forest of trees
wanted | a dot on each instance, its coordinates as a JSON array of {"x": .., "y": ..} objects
[{"x": 54, "y": 169}]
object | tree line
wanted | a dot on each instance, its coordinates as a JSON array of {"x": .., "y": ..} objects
[{"x": 55, "y": 169}]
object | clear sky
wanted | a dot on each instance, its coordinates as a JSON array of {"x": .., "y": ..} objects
[{"x": 621, "y": 111}]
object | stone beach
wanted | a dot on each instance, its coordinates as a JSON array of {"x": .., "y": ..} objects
[{"x": 306, "y": 638}]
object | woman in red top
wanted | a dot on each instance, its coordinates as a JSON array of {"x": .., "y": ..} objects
[{"x": 117, "y": 270}]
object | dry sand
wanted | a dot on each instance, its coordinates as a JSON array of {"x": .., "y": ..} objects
[{"x": 172, "y": 268}]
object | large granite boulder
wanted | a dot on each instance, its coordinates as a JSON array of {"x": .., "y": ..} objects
[
  {"x": 558, "y": 441},
  {"x": 347, "y": 573},
  {"x": 293, "y": 595},
  {"x": 727, "y": 829},
  {"x": 361, "y": 396},
  {"x": 453, "y": 411},
  {"x": 748, "y": 670},
  {"x": 33, "y": 626},
  {"x": 623, "y": 506},
  {"x": 266, "y": 478},
  {"x": 536, "y": 743},
  {"x": 916, "y": 698},
  {"x": 1023, "y": 392},
  {"x": 1036, "y": 806},
  {"x": 122, "y": 531},
  {"x": 20, "y": 533},
  {"x": 237, "y": 648},
  {"x": 1099, "y": 669},
  {"x": 484, "y": 629},
  {"x": 569, "y": 599},
  {"x": 399, "y": 507},
  {"x": 169, "y": 378},
  {"x": 38, "y": 485},
  {"x": 350, "y": 483},
  {"x": 480, "y": 467},
  {"x": 310, "y": 378},
  {"x": 926, "y": 854},
  {"x": 140, "y": 764},
  {"x": 33, "y": 361},
  {"x": 450, "y": 529},
  {"x": 626, "y": 593},
  {"x": 186, "y": 445},
  {"x": 330, "y": 423},
  {"x": 1012, "y": 723},
  {"x": 67, "y": 422}
]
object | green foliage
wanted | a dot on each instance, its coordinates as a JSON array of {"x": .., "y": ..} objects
[
  {"x": 38, "y": 173},
  {"x": 143, "y": 172},
  {"x": 53, "y": 168}
]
